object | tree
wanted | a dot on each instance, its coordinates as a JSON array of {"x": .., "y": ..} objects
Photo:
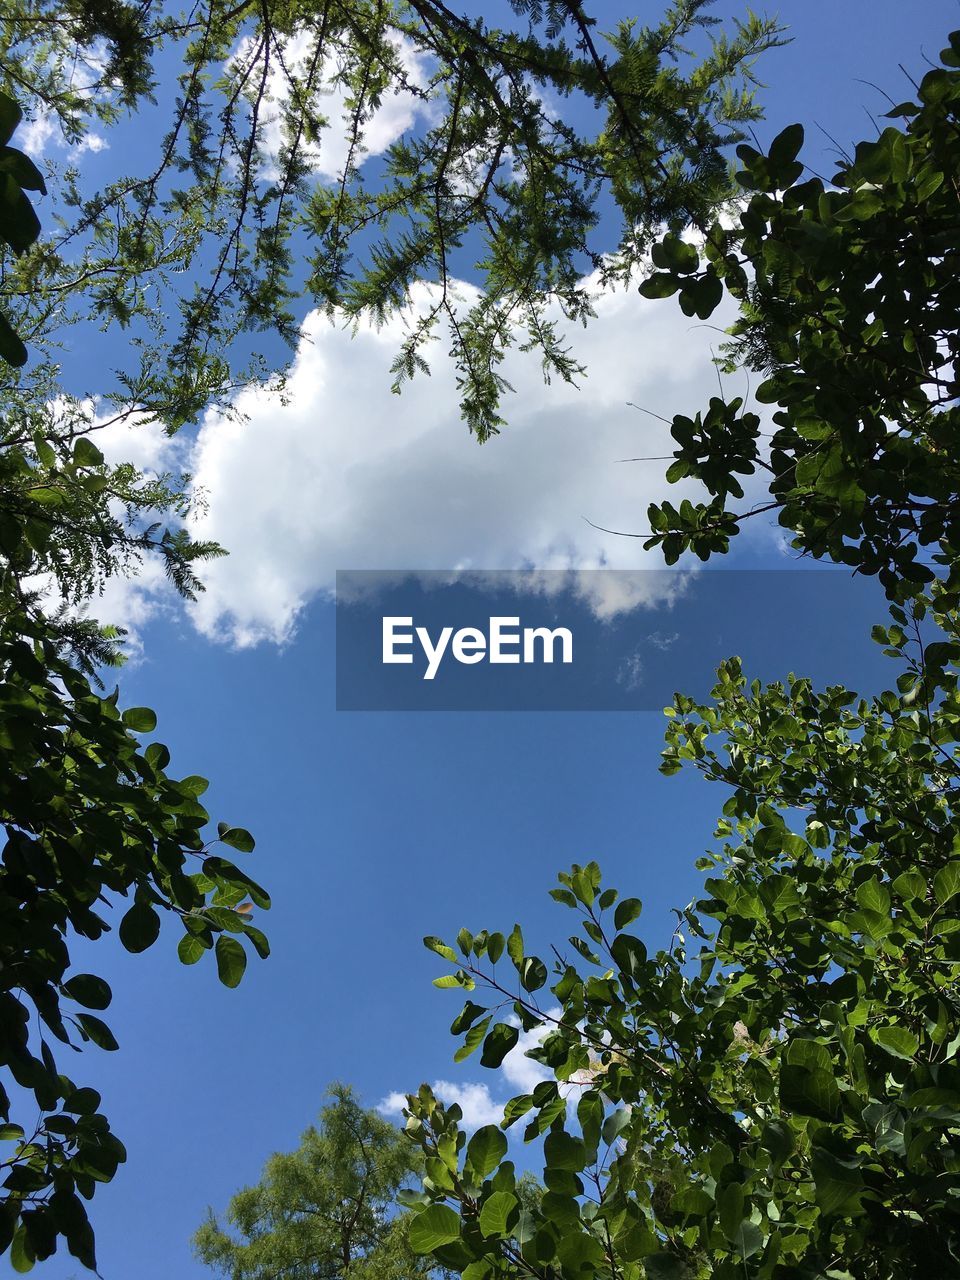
[
  {"x": 19, "y": 225},
  {"x": 849, "y": 297},
  {"x": 327, "y": 1210},
  {"x": 91, "y": 818},
  {"x": 782, "y": 1099},
  {"x": 227, "y": 225}
]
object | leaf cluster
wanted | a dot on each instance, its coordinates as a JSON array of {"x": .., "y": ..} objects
[
  {"x": 848, "y": 299},
  {"x": 777, "y": 1093},
  {"x": 92, "y": 823},
  {"x": 224, "y": 230}
]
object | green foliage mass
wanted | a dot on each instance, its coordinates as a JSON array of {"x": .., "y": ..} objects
[
  {"x": 92, "y": 823},
  {"x": 849, "y": 294},
  {"x": 96, "y": 836},
  {"x": 328, "y": 1209},
  {"x": 775, "y": 1095},
  {"x": 780, "y": 1099},
  {"x": 224, "y": 228}
]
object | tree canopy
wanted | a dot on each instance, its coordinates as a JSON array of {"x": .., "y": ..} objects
[
  {"x": 848, "y": 298},
  {"x": 221, "y": 232},
  {"x": 226, "y": 225},
  {"x": 94, "y": 825},
  {"x": 776, "y": 1093},
  {"x": 779, "y": 1100},
  {"x": 327, "y": 1211}
]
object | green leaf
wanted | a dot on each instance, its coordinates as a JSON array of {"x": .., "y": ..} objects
[
  {"x": 730, "y": 1209},
  {"x": 786, "y": 145},
  {"x": 459, "y": 979},
  {"x": 533, "y": 973},
  {"x": 19, "y": 225},
  {"x": 436, "y": 1226},
  {"x": 809, "y": 1093},
  {"x": 837, "y": 1181},
  {"x": 21, "y": 1254},
  {"x": 190, "y": 948},
  {"x": 660, "y": 285},
  {"x": 82, "y": 1102},
  {"x": 627, "y": 911},
  {"x": 237, "y": 838},
  {"x": 499, "y": 1214},
  {"x": 439, "y": 947},
  {"x": 140, "y": 927},
  {"x": 467, "y": 1017},
  {"x": 10, "y": 117},
  {"x": 578, "y": 1250},
  {"x": 562, "y": 1151},
  {"x": 614, "y": 1125},
  {"x": 516, "y": 1108},
  {"x": 97, "y": 1031},
  {"x": 778, "y": 1138},
  {"x": 231, "y": 960},
  {"x": 86, "y": 454},
  {"x": 873, "y": 896},
  {"x": 665, "y": 1266},
  {"x": 486, "y": 1149},
  {"x": 90, "y": 991},
  {"x": 498, "y": 1044},
  {"x": 946, "y": 883},
  {"x": 749, "y": 1239},
  {"x": 896, "y": 1040},
  {"x": 140, "y": 719},
  {"x": 22, "y": 169},
  {"x": 11, "y": 346}
]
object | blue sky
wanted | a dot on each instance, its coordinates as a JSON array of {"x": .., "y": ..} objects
[{"x": 374, "y": 829}]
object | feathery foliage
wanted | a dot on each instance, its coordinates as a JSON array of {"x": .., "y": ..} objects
[
  {"x": 255, "y": 198},
  {"x": 327, "y": 1211}
]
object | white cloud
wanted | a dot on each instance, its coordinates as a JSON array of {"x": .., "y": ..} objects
[
  {"x": 392, "y": 1104},
  {"x": 345, "y": 475},
  {"x": 35, "y": 135},
  {"x": 136, "y": 439},
  {"x": 474, "y": 1101},
  {"x": 630, "y": 671},
  {"x": 523, "y": 1073},
  {"x": 397, "y": 112},
  {"x": 93, "y": 142}
]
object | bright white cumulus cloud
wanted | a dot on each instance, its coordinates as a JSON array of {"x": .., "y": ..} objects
[{"x": 342, "y": 474}]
